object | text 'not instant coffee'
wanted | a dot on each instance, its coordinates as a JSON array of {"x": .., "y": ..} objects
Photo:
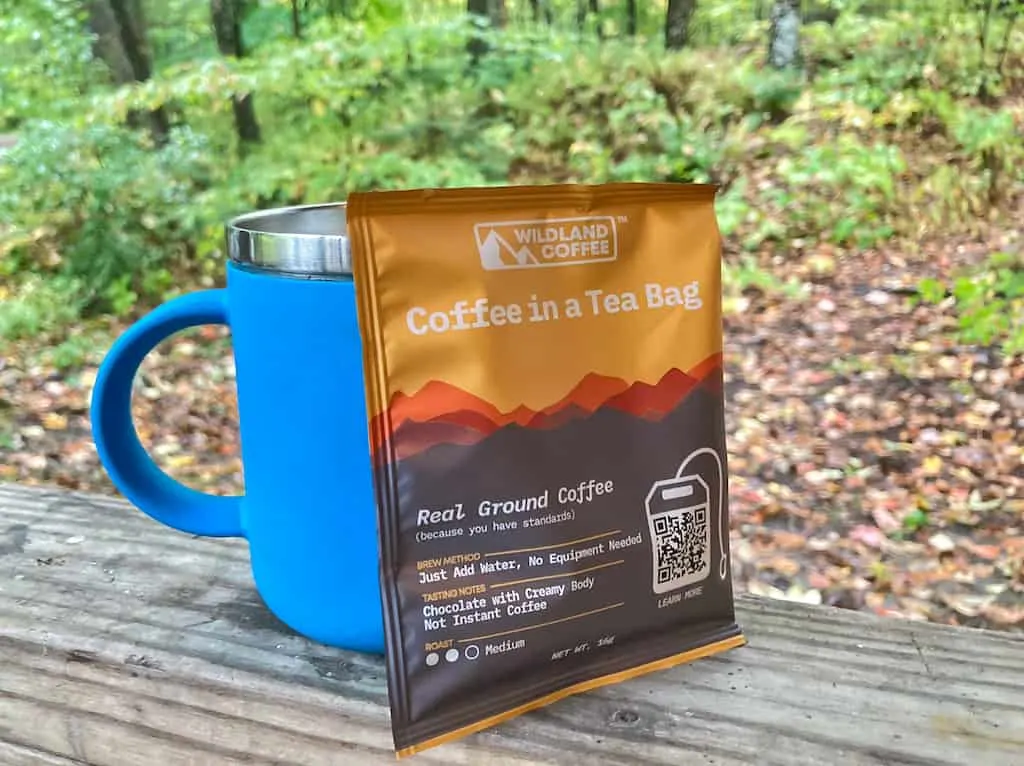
[{"x": 544, "y": 380}]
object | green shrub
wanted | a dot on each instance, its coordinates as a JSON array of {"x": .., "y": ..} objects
[
  {"x": 38, "y": 307},
  {"x": 46, "y": 62},
  {"x": 988, "y": 301},
  {"x": 100, "y": 208},
  {"x": 843, "y": 192}
]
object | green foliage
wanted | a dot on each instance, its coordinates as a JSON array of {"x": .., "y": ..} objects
[
  {"x": 863, "y": 176},
  {"x": 179, "y": 31},
  {"x": 881, "y": 135},
  {"x": 915, "y": 519},
  {"x": 745, "y": 275},
  {"x": 988, "y": 301},
  {"x": 992, "y": 147},
  {"x": 46, "y": 62},
  {"x": 40, "y": 307},
  {"x": 100, "y": 208}
]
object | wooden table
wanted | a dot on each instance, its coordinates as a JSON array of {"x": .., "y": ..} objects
[{"x": 123, "y": 642}]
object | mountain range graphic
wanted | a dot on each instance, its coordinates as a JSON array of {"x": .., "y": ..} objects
[
  {"x": 494, "y": 249},
  {"x": 440, "y": 413}
]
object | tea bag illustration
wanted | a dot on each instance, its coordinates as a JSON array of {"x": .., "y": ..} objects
[{"x": 680, "y": 514}]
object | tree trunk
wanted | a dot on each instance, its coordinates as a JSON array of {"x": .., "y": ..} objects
[
  {"x": 677, "y": 23},
  {"x": 107, "y": 45},
  {"x": 491, "y": 12},
  {"x": 542, "y": 11},
  {"x": 631, "y": 18},
  {"x": 228, "y": 32},
  {"x": 122, "y": 44},
  {"x": 296, "y": 21},
  {"x": 784, "y": 34},
  {"x": 595, "y": 8},
  {"x": 585, "y": 8}
]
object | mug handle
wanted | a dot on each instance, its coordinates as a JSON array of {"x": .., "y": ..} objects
[{"x": 126, "y": 461}]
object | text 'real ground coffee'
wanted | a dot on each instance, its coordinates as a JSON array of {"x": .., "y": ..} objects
[{"x": 544, "y": 379}]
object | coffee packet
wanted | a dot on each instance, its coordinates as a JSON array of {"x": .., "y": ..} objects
[{"x": 543, "y": 374}]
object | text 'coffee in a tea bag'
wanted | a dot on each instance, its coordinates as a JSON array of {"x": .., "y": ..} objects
[{"x": 544, "y": 380}]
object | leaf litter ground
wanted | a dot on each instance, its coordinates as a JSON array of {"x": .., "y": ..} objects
[{"x": 876, "y": 464}]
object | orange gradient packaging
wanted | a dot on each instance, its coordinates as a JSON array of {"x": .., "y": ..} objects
[{"x": 544, "y": 381}]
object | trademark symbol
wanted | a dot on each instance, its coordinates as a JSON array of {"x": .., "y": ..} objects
[{"x": 623, "y": 219}]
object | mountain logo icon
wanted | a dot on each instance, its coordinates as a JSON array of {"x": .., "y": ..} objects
[
  {"x": 546, "y": 242},
  {"x": 497, "y": 253}
]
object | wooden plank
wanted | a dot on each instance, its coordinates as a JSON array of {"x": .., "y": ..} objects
[
  {"x": 122, "y": 642},
  {"x": 17, "y": 755}
]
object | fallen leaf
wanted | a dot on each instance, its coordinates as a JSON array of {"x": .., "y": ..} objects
[
  {"x": 1008, "y": 616},
  {"x": 54, "y": 421},
  {"x": 870, "y": 536},
  {"x": 789, "y": 540},
  {"x": 967, "y": 604},
  {"x": 885, "y": 520},
  {"x": 798, "y": 594},
  {"x": 987, "y": 552},
  {"x": 821, "y": 264},
  {"x": 784, "y": 566}
]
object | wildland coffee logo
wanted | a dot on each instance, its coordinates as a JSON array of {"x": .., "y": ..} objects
[
  {"x": 548, "y": 444},
  {"x": 546, "y": 242}
]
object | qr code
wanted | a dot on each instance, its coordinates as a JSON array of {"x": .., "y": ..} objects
[{"x": 681, "y": 545}]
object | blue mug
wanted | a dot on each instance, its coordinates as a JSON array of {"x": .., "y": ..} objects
[{"x": 308, "y": 510}]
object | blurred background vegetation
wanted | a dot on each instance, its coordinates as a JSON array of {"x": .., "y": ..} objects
[
  {"x": 870, "y": 160},
  {"x": 130, "y": 130}
]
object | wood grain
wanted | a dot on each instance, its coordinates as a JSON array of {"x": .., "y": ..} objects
[{"x": 123, "y": 642}]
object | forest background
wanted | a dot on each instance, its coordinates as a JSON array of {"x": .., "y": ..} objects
[{"x": 871, "y": 168}]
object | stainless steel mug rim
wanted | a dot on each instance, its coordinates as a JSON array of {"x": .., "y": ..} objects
[{"x": 307, "y": 239}]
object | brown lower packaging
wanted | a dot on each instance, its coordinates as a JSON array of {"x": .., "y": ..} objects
[{"x": 544, "y": 378}]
